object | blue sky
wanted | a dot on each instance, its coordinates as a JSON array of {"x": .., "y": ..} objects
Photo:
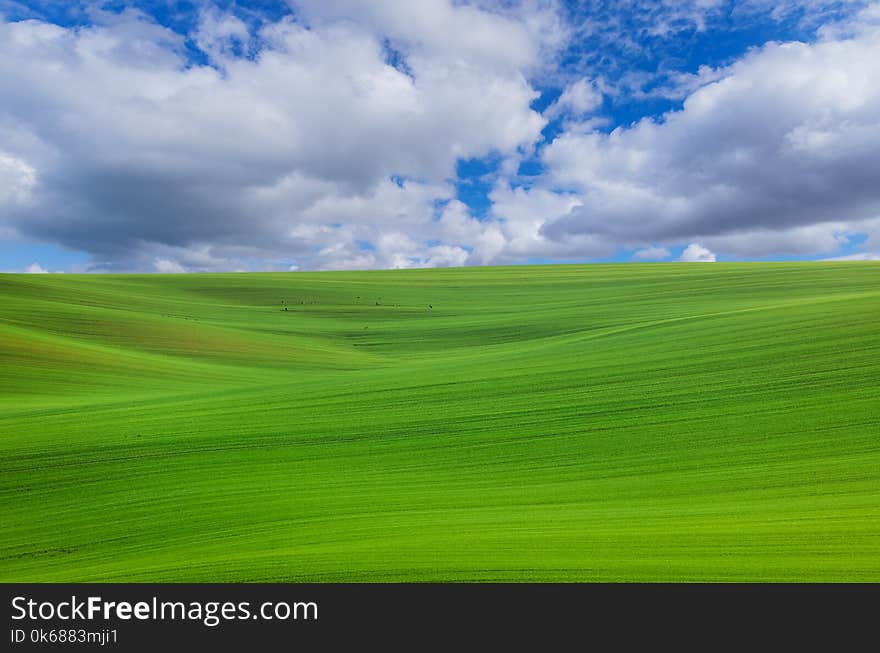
[{"x": 267, "y": 135}]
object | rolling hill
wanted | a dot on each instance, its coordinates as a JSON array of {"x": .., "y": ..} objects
[{"x": 635, "y": 422}]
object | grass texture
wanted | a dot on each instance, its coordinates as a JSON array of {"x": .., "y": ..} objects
[{"x": 650, "y": 422}]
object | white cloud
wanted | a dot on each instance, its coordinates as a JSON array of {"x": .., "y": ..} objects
[
  {"x": 757, "y": 243},
  {"x": 17, "y": 180},
  {"x": 493, "y": 34},
  {"x": 167, "y": 266},
  {"x": 521, "y": 216},
  {"x": 334, "y": 144},
  {"x": 35, "y": 268},
  {"x": 652, "y": 253},
  {"x": 285, "y": 155},
  {"x": 578, "y": 99},
  {"x": 696, "y": 253},
  {"x": 778, "y": 156},
  {"x": 221, "y": 35}
]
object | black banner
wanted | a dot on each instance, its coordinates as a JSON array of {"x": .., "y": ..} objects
[{"x": 271, "y": 617}]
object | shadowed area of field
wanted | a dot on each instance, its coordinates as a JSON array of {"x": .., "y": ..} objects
[{"x": 651, "y": 422}]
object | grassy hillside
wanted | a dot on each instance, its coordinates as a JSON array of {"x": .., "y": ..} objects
[{"x": 648, "y": 422}]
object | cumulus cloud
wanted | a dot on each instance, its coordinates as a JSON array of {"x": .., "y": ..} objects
[
  {"x": 696, "y": 253},
  {"x": 578, "y": 99},
  {"x": 779, "y": 155},
  {"x": 632, "y": 49},
  {"x": 497, "y": 34},
  {"x": 521, "y": 215},
  {"x": 126, "y": 150},
  {"x": 35, "y": 268},
  {"x": 329, "y": 139}
]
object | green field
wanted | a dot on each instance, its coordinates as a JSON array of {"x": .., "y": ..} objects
[{"x": 651, "y": 422}]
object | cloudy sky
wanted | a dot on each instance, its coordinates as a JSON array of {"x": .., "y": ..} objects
[{"x": 161, "y": 136}]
